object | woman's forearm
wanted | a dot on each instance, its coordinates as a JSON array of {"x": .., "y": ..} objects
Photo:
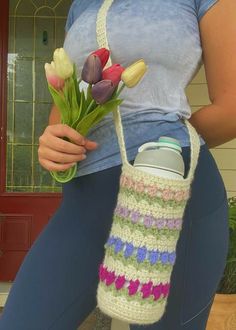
[
  {"x": 215, "y": 123},
  {"x": 54, "y": 117}
]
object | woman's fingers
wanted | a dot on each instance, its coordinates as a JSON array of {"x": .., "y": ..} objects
[
  {"x": 61, "y": 145},
  {"x": 60, "y": 157},
  {"x": 90, "y": 145},
  {"x": 51, "y": 166},
  {"x": 52, "y": 134},
  {"x": 61, "y": 130},
  {"x": 57, "y": 154}
]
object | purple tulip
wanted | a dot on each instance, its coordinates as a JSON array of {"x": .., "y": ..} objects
[
  {"x": 102, "y": 91},
  {"x": 92, "y": 69}
]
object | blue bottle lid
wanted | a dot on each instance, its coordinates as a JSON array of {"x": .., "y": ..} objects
[{"x": 165, "y": 141}]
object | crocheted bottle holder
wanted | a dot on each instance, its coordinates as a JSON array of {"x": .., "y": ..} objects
[{"x": 134, "y": 278}]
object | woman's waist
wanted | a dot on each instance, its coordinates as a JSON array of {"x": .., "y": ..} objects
[
  {"x": 143, "y": 118},
  {"x": 137, "y": 131},
  {"x": 141, "y": 127}
]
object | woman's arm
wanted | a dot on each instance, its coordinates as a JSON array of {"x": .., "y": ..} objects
[
  {"x": 54, "y": 117},
  {"x": 217, "y": 122}
]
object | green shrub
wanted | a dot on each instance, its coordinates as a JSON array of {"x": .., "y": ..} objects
[{"x": 228, "y": 282}]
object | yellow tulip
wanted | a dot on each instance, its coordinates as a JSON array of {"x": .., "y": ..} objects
[
  {"x": 134, "y": 73},
  {"x": 62, "y": 63}
]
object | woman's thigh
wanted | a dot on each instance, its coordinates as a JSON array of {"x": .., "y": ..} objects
[
  {"x": 201, "y": 251},
  {"x": 55, "y": 287}
]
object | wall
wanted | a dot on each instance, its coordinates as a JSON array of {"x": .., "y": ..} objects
[{"x": 225, "y": 155}]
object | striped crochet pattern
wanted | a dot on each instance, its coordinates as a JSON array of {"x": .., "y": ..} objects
[
  {"x": 134, "y": 277},
  {"x": 140, "y": 251}
]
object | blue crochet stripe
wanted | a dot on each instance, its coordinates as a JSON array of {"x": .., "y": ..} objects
[{"x": 141, "y": 253}]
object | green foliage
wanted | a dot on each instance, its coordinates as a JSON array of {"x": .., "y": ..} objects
[
  {"x": 228, "y": 282},
  {"x": 80, "y": 111},
  {"x": 61, "y": 103},
  {"x": 96, "y": 115}
]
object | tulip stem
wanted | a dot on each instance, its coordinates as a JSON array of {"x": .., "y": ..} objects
[
  {"x": 89, "y": 107},
  {"x": 120, "y": 90}
]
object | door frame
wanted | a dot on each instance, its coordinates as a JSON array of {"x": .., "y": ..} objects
[
  {"x": 4, "y": 14},
  {"x": 13, "y": 204}
]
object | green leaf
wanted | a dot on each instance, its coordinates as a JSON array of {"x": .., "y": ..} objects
[
  {"x": 96, "y": 115},
  {"x": 79, "y": 111},
  {"x": 83, "y": 107},
  {"x": 75, "y": 108},
  {"x": 65, "y": 176},
  {"x": 61, "y": 104},
  {"x": 76, "y": 84},
  {"x": 67, "y": 94},
  {"x": 90, "y": 107},
  {"x": 89, "y": 97}
]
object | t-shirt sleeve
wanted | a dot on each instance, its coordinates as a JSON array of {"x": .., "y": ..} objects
[
  {"x": 203, "y": 6},
  {"x": 76, "y": 9}
]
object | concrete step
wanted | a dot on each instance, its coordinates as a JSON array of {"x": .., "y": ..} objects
[{"x": 4, "y": 291}]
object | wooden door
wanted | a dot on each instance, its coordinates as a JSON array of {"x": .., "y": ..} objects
[{"x": 30, "y": 30}]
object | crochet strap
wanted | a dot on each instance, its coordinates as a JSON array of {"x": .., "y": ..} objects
[{"x": 103, "y": 42}]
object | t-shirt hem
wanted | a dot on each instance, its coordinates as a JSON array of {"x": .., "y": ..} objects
[{"x": 117, "y": 161}]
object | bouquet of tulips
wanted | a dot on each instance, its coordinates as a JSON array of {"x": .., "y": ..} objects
[{"x": 82, "y": 109}]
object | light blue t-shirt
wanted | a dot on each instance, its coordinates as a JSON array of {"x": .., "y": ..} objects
[{"x": 166, "y": 35}]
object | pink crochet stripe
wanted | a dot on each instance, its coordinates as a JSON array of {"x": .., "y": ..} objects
[
  {"x": 133, "y": 287},
  {"x": 148, "y": 220},
  {"x": 154, "y": 190}
]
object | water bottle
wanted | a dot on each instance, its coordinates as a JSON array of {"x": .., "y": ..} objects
[{"x": 161, "y": 158}]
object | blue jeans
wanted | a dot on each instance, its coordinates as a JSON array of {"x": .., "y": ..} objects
[{"x": 55, "y": 288}]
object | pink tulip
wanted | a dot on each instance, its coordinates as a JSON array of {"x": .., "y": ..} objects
[
  {"x": 165, "y": 289},
  {"x": 103, "y": 55},
  {"x": 113, "y": 73},
  {"x": 53, "y": 79},
  {"x": 120, "y": 282},
  {"x": 133, "y": 287},
  {"x": 110, "y": 278},
  {"x": 147, "y": 289},
  {"x": 157, "y": 291}
]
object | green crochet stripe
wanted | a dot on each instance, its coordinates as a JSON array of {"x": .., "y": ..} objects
[
  {"x": 137, "y": 297},
  {"x": 151, "y": 200},
  {"x": 132, "y": 261},
  {"x": 158, "y": 233}
]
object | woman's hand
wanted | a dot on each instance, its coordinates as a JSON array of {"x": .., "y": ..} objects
[{"x": 56, "y": 154}]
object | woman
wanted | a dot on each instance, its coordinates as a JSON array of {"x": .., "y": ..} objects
[{"x": 55, "y": 287}]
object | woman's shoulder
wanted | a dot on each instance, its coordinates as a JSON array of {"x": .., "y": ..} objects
[{"x": 76, "y": 9}]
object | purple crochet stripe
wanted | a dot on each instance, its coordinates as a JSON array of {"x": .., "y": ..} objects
[
  {"x": 147, "y": 220},
  {"x": 153, "y": 190},
  {"x": 133, "y": 286},
  {"x": 141, "y": 253}
]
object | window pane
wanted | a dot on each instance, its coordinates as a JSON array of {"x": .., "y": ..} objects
[{"x": 36, "y": 28}]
